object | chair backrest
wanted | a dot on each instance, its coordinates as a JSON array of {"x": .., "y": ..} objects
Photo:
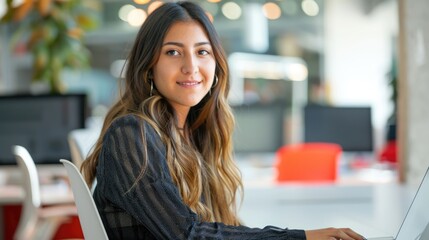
[
  {"x": 32, "y": 199},
  {"x": 30, "y": 175},
  {"x": 89, "y": 217},
  {"x": 308, "y": 162}
]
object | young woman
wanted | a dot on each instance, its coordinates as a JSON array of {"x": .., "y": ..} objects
[{"x": 163, "y": 163}]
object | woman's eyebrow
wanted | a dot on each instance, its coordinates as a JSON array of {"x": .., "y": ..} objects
[{"x": 182, "y": 45}]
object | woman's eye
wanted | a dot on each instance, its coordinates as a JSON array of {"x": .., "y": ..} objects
[
  {"x": 203, "y": 52},
  {"x": 172, "y": 52}
]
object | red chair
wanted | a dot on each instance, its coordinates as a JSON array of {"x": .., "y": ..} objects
[
  {"x": 389, "y": 153},
  {"x": 308, "y": 162}
]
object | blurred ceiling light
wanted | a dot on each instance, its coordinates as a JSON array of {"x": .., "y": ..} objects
[
  {"x": 310, "y": 7},
  {"x": 231, "y": 10},
  {"x": 275, "y": 71},
  {"x": 124, "y": 11},
  {"x": 289, "y": 7},
  {"x": 271, "y": 10},
  {"x": 141, "y": 1},
  {"x": 136, "y": 17},
  {"x": 269, "y": 67},
  {"x": 153, "y": 6},
  {"x": 266, "y": 70},
  {"x": 214, "y": 1}
]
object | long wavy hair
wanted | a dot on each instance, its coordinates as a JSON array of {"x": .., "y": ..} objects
[{"x": 202, "y": 165}]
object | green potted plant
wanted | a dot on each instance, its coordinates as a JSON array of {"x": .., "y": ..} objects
[{"x": 52, "y": 31}]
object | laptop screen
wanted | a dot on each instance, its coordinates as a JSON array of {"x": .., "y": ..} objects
[{"x": 416, "y": 222}]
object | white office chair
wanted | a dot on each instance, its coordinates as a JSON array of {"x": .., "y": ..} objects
[
  {"x": 37, "y": 222},
  {"x": 89, "y": 217}
]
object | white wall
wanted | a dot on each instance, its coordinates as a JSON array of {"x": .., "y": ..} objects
[{"x": 358, "y": 55}]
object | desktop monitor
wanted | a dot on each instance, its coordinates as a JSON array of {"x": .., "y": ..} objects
[
  {"x": 349, "y": 127},
  {"x": 41, "y": 124},
  {"x": 259, "y": 128}
]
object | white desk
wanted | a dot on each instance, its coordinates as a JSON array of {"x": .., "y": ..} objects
[{"x": 370, "y": 204}]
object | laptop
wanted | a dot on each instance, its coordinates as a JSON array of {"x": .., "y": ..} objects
[{"x": 416, "y": 223}]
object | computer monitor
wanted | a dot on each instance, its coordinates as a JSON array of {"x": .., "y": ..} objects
[
  {"x": 348, "y": 126},
  {"x": 41, "y": 124},
  {"x": 259, "y": 128}
]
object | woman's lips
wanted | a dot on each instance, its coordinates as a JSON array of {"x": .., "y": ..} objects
[{"x": 189, "y": 83}]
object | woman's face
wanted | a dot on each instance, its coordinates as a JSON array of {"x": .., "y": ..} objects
[{"x": 185, "y": 69}]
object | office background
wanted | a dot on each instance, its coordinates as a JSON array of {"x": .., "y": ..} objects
[
  {"x": 345, "y": 45},
  {"x": 331, "y": 37},
  {"x": 348, "y": 48}
]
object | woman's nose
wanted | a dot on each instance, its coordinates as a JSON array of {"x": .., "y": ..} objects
[{"x": 190, "y": 65}]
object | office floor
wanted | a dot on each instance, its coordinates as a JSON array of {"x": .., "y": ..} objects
[{"x": 366, "y": 198}]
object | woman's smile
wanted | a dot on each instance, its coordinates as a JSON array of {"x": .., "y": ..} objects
[{"x": 189, "y": 84}]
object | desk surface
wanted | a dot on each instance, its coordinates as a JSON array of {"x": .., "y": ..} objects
[{"x": 370, "y": 201}]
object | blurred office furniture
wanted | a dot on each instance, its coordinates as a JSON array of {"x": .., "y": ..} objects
[
  {"x": 75, "y": 152},
  {"x": 53, "y": 191},
  {"x": 308, "y": 162},
  {"x": 37, "y": 222},
  {"x": 260, "y": 128},
  {"x": 389, "y": 152},
  {"x": 81, "y": 142},
  {"x": 249, "y": 65},
  {"x": 350, "y": 127},
  {"x": 89, "y": 217},
  {"x": 41, "y": 123},
  {"x": 289, "y": 73}
]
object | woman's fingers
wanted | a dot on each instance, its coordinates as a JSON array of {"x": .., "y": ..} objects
[
  {"x": 333, "y": 234},
  {"x": 352, "y": 233},
  {"x": 343, "y": 234}
]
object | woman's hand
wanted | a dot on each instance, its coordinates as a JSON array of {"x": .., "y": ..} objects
[{"x": 333, "y": 234}]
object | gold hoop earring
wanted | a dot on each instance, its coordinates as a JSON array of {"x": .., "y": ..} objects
[{"x": 150, "y": 79}]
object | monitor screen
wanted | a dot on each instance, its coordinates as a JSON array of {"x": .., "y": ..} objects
[
  {"x": 259, "y": 128},
  {"x": 41, "y": 124},
  {"x": 348, "y": 126}
]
